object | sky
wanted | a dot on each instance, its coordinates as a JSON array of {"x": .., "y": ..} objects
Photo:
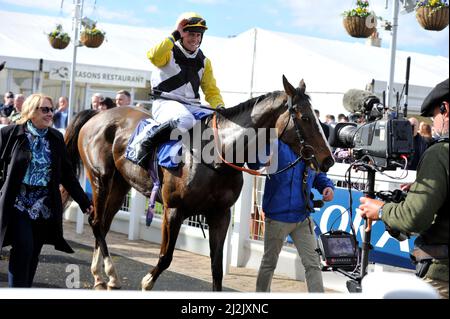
[{"x": 225, "y": 18}]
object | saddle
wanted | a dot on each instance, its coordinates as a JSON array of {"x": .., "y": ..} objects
[{"x": 165, "y": 151}]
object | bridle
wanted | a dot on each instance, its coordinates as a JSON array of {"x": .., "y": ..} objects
[{"x": 303, "y": 145}]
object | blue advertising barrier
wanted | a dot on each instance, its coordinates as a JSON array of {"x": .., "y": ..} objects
[{"x": 334, "y": 216}]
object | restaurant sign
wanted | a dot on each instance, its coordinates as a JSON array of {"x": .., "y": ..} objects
[{"x": 99, "y": 75}]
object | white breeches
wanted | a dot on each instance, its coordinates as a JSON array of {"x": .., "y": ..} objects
[{"x": 166, "y": 110}]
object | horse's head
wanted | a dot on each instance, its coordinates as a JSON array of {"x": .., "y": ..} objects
[{"x": 299, "y": 127}]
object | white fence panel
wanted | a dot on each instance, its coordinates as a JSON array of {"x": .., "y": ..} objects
[{"x": 243, "y": 247}]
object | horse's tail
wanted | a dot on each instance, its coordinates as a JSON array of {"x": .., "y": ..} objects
[{"x": 71, "y": 137}]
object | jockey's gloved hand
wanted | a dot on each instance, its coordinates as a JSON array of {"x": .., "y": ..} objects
[
  {"x": 179, "y": 32},
  {"x": 176, "y": 35},
  {"x": 220, "y": 107}
]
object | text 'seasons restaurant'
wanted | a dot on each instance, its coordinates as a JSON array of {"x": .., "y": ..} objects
[{"x": 249, "y": 64}]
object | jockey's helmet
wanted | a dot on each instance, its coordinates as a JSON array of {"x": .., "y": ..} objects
[{"x": 195, "y": 22}]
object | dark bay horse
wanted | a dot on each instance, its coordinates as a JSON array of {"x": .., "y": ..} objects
[{"x": 195, "y": 187}]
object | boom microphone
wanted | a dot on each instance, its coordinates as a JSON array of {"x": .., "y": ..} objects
[{"x": 359, "y": 101}]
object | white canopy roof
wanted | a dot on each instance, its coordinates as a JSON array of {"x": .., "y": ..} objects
[{"x": 329, "y": 67}]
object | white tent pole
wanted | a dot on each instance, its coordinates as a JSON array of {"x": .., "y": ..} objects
[
  {"x": 253, "y": 65},
  {"x": 78, "y": 11},
  {"x": 390, "y": 85}
]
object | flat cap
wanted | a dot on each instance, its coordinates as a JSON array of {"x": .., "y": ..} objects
[{"x": 434, "y": 98}]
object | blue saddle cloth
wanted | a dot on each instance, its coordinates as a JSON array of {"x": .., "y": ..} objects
[{"x": 168, "y": 153}]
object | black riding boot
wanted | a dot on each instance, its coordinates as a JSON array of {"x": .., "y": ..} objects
[{"x": 160, "y": 135}]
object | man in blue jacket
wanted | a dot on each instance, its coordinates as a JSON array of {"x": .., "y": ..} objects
[{"x": 287, "y": 213}]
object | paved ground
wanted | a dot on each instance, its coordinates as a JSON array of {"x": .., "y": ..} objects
[{"x": 188, "y": 271}]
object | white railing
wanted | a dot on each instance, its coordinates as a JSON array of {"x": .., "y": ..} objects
[{"x": 243, "y": 248}]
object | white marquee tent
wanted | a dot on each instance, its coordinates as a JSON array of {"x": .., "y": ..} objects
[{"x": 329, "y": 67}]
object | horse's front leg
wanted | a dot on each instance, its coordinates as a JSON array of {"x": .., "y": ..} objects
[
  {"x": 172, "y": 221},
  {"x": 218, "y": 222},
  {"x": 110, "y": 198},
  {"x": 96, "y": 268},
  {"x": 110, "y": 270}
]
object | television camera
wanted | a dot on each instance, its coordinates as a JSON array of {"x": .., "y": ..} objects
[{"x": 383, "y": 140}]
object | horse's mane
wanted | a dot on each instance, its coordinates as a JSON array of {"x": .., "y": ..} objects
[{"x": 244, "y": 106}]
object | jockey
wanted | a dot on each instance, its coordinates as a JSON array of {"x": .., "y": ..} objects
[{"x": 181, "y": 69}]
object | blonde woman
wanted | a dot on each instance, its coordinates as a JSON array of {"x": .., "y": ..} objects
[
  {"x": 34, "y": 162},
  {"x": 426, "y": 132}
]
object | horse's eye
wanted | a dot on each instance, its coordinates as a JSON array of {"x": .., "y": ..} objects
[{"x": 305, "y": 118}]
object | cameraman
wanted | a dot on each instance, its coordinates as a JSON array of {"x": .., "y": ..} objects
[{"x": 424, "y": 209}]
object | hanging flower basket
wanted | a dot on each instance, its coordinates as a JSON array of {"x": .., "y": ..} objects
[
  {"x": 58, "y": 43},
  {"x": 359, "y": 22},
  {"x": 359, "y": 27},
  {"x": 434, "y": 19},
  {"x": 91, "y": 40},
  {"x": 92, "y": 37},
  {"x": 58, "y": 39}
]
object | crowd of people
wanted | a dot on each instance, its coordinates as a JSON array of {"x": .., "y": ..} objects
[{"x": 11, "y": 108}]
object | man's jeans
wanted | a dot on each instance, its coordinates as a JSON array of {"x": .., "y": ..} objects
[{"x": 304, "y": 240}]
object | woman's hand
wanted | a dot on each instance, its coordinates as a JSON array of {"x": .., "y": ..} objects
[{"x": 89, "y": 210}]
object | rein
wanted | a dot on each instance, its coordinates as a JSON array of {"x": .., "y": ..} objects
[
  {"x": 216, "y": 144},
  {"x": 259, "y": 173}
]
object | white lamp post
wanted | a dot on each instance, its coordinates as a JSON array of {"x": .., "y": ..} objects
[
  {"x": 78, "y": 12},
  {"x": 408, "y": 6}
]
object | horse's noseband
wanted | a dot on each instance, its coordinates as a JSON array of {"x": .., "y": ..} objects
[
  {"x": 307, "y": 152},
  {"x": 304, "y": 148}
]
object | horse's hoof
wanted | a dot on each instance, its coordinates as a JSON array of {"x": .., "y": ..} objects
[
  {"x": 100, "y": 286},
  {"x": 147, "y": 282},
  {"x": 148, "y": 287}
]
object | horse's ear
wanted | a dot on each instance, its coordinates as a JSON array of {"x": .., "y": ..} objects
[
  {"x": 302, "y": 86},
  {"x": 290, "y": 90}
]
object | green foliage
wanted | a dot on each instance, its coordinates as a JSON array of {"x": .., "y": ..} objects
[
  {"x": 360, "y": 10},
  {"x": 432, "y": 4},
  {"x": 93, "y": 31},
  {"x": 58, "y": 33}
]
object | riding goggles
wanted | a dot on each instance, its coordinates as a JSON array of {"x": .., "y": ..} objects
[{"x": 195, "y": 23}]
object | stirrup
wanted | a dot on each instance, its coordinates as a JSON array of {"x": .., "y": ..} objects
[{"x": 156, "y": 137}]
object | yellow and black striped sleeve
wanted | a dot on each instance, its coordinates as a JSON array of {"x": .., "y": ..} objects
[{"x": 160, "y": 54}]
